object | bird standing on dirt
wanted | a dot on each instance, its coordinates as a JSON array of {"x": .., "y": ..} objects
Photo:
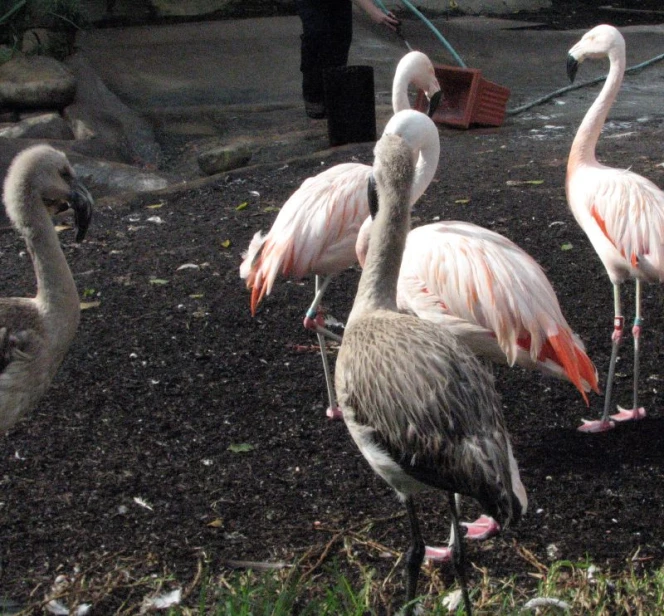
[
  {"x": 419, "y": 405},
  {"x": 621, "y": 212},
  {"x": 316, "y": 229},
  {"x": 35, "y": 333},
  {"x": 496, "y": 299}
]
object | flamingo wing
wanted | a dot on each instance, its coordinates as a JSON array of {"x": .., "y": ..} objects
[
  {"x": 471, "y": 273},
  {"x": 314, "y": 232},
  {"x": 628, "y": 210}
]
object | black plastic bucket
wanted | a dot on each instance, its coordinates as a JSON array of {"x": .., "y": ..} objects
[{"x": 350, "y": 103}]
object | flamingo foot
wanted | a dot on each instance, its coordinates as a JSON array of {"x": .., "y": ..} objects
[
  {"x": 334, "y": 413},
  {"x": 437, "y": 555},
  {"x": 592, "y": 427},
  {"x": 482, "y": 528},
  {"x": 629, "y": 414}
]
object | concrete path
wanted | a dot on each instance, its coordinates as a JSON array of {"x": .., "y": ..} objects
[
  {"x": 215, "y": 83},
  {"x": 250, "y": 68}
]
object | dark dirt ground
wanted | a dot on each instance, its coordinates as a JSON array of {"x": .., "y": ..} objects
[{"x": 170, "y": 371}]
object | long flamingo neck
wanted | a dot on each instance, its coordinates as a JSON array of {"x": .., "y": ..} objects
[
  {"x": 378, "y": 284},
  {"x": 400, "y": 100},
  {"x": 57, "y": 296},
  {"x": 427, "y": 163},
  {"x": 585, "y": 142},
  {"x": 377, "y": 288},
  {"x": 425, "y": 169}
]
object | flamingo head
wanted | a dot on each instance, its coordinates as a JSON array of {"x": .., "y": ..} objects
[
  {"x": 46, "y": 174},
  {"x": 424, "y": 77},
  {"x": 419, "y": 71},
  {"x": 416, "y": 69},
  {"x": 599, "y": 42}
]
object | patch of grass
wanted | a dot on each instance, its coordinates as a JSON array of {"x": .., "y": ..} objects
[
  {"x": 354, "y": 575},
  {"x": 565, "y": 588}
]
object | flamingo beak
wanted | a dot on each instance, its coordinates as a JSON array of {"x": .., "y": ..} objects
[
  {"x": 434, "y": 101},
  {"x": 80, "y": 200},
  {"x": 572, "y": 67}
]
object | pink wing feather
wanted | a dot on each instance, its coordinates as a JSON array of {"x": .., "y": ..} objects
[
  {"x": 629, "y": 211},
  {"x": 459, "y": 270},
  {"x": 314, "y": 232}
]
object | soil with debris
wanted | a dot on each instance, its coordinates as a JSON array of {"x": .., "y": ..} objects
[{"x": 179, "y": 428}]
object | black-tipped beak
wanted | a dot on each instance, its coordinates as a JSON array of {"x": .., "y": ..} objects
[
  {"x": 372, "y": 195},
  {"x": 80, "y": 200},
  {"x": 434, "y": 102},
  {"x": 572, "y": 67}
]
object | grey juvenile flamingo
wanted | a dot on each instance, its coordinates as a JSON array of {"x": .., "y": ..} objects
[
  {"x": 419, "y": 405},
  {"x": 35, "y": 333}
]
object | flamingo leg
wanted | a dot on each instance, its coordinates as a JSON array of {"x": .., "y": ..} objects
[
  {"x": 459, "y": 553},
  {"x": 333, "y": 411},
  {"x": 414, "y": 557},
  {"x": 443, "y": 554},
  {"x": 313, "y": 319},
  {"x": 604, "y": 424},
  {"x": 636, "y": 412},
  {"x": 483, "y": 528}
]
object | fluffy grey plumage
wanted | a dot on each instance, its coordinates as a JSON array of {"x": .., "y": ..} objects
[
  {"x": 414, "y": 392},
  {"x": 419, "y": 405},
  {"x": 35, "y": 333}
]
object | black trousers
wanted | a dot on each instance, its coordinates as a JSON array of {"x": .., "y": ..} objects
[{"x": 327, "y": 32}]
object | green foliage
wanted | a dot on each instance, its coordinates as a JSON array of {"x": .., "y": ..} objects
[
  {"x": 581, "y": 587},
  {"x": 329, "y": 581},
  {"x": 20, "y": 18}
]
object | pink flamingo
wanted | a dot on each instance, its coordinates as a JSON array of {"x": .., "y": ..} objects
[
  {"x": 622, "y": 213},
  {"x": 316, "y": 229},
  {"x": 495, "y": 298},
  {"x": 492, "y": 294}
]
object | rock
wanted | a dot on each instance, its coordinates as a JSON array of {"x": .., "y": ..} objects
[
  {"x": 42, "y": 126},
  {"x": 103, "y": 177},
  {"x": 36, "y": 82},
  {"x": 104, "y": 126},
  {"x": 224, "y": 158},
  {"x": 188, "y": 8}
]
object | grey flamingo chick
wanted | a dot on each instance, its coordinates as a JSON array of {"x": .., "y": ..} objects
[
  {"x": 419, "y": 405},
  {"x": 35, "y": 333}
]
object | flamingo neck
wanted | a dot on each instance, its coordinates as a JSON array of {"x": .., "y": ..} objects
[
  {"x": 425, "y": 169},
  {"x": 400, "y": 100},
  {"x": 585, "y": 142},
  {"x": 57, "y": 296},
  {"x": 378, "y": 284},
  {"x": 377, "y": 288}
]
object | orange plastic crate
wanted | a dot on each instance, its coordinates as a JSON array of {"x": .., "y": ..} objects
[{"x": 468, "y": 98}]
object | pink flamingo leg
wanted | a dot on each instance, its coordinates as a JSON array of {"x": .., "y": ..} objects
[
  {"x": 482, "y": 528},
  {"x": 636, "y": 412},
  {"x": 605, "y": 423},
  {"x": 314, "y": 321}
]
